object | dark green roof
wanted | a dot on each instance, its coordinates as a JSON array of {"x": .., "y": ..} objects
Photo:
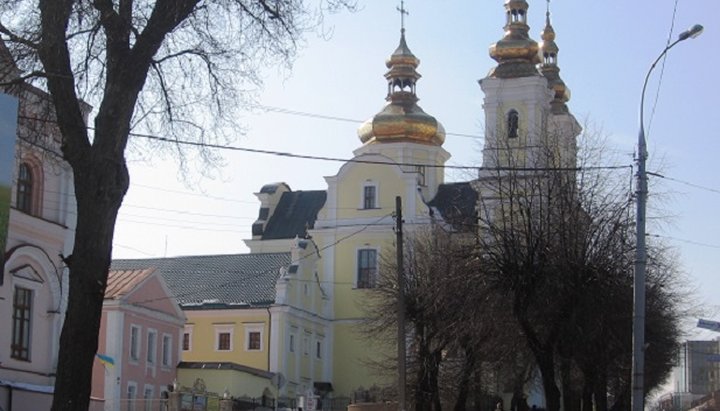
[{"x": 217, "y": 281}]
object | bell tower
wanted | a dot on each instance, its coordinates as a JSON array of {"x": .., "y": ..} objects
[
  {"x": 562, "y": 127},
  {"x": 517, "y": 98}
]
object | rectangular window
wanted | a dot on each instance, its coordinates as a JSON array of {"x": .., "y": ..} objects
[
  {"x": 131, "y": 396},
  {"x": 166, "y": 350},
  {"x": 254, "y": 341},
  {"x": 148, "y": 398},
  {"x": 187, "y": 335},
  {"x": 21, "y": 331},
  {"x": 151, "y": 346},
  {"x": 292, "y": 343},
  {"x": 223, "y": 341},
  {"x": 318, "y": 349},
  {"x": 367, "y": 268},
  {"x": 369, "y": 194},
  {"x": 306, "y": 345},
  {"x": 134, "y": 342}
]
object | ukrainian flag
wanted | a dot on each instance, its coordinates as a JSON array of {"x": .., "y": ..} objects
[{"x": 107, "y": 361}]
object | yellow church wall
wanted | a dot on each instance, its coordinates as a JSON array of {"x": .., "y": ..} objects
[
  {"x": 206, "y": 325},
  {"x": 238, "y": 383},
  {"x": 348, "y": 299},
  {"x": 350, "y": 193},
  {"x": 350, "y": 360}
]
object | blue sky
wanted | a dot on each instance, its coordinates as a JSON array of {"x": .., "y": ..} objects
[{"x": 605, "y": 50}]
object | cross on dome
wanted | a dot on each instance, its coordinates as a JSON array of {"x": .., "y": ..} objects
[{"x": 403, "y": 12}]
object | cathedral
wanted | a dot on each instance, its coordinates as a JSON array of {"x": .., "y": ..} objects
[{"x": 285, "y": 320}]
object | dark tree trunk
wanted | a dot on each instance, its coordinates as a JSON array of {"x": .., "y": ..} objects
[
  {"x": 99, "y": 194},
  {"x": 587, "y": 394},
  {"x": 464, "y": 383},
  {"x": 600, "y": 392},
  {"x": 546, "y": 363},
  {"x": 99, "y": 168}
]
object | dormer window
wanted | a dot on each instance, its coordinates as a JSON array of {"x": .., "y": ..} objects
[{"x": 513, "y": 123}]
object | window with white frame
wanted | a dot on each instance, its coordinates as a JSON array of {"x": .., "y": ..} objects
[
  {"x": 291, "y": 345},
  {"x": 131, "y": 396},
  {"x": 253, "y": 337},
  {"x": 318, "y": 349},
  {"x": 224, "y": 338},
  {"x": 187, "y": 338},
  {"x": 148, "y": 397},
  {"x": 22, "y": 324},
  {"x": 366, "y": 267},
  {"x": 134, "y": 342},
  {"x": 513, "y": 123},
  {"x": 151, "y": 347},
  {"x": 166, "y": 350},
  {"x": 369, "y": 196}
]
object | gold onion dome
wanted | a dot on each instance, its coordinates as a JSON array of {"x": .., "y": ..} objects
[
  {"x": 549, "y": 68},
  {"x": 516, "y": 53},
  {"x": 402, "y": 119}
]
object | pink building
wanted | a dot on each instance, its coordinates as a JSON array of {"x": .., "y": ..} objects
[
  {"x": 139, "y": 342},
  {"x": 33, "y": 282}
]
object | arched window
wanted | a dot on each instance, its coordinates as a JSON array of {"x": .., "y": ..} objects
[
  {"x": 513, "y": 123},
  {"x": 24, "y": 199}
]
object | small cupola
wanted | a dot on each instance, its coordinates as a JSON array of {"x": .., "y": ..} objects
[
  {"x": 516, "y": 53},
  {"x": 402, "y": 119},
  {"x": 549, "y": 68}
]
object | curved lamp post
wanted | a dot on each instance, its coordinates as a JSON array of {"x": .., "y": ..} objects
[{"x": 638, "y": 364}]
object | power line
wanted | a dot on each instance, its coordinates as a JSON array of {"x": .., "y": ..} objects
[
  {"x": 687, "y": 183},
  {"x": 272, "y": 269},
  {"x": 662, "y": 68},
  {"x": 343, "y": 119},
  {"x": 685, "y": 241},
  {"x": 356, "y": 160}
]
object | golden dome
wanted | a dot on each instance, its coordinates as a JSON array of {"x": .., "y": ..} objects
[
  {"x": 516, "y": 53},
  {"x": 402, "y": 119},
  {"x": 549, "y": 68}
]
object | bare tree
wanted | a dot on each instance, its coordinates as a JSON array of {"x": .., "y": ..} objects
[
  {"x": 178, "y": 67},
  {"x": 556, "y": 241}
]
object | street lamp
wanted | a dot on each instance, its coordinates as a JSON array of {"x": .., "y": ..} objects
[{"x": 638, "y": 364}]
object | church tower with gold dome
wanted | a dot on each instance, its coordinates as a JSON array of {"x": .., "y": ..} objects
[
  {"x": 525, "y": 98},
  {"x": 402, "y": 131},
  {"x": 400, "y": 155}
]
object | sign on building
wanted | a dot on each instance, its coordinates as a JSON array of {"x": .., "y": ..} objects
[
  {"x": 8, "y": 133},
  {"x": 709, "y": 325}
]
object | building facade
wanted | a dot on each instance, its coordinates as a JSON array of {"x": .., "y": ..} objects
[
  {"x": 33, "y": 286},
  {"x": 139, "y": 341},
  {"x": 293, "y": 327}
]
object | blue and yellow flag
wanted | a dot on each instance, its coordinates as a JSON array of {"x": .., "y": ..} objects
[{"x": 107, "y": 361}]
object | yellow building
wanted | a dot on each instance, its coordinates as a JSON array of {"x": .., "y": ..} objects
[{"x": 285, "y": 319}]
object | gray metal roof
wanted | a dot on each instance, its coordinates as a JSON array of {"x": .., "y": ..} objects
[
  {"x": 295, "y": 213},
  {"x": 217, "y": 281},
  {"x": 456, "y": 203}
]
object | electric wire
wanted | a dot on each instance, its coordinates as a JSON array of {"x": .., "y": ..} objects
[
  {"x": 271, "y": 269},
  {"x": 687, "y": 183},
  {"x": 662, "y": 70}
]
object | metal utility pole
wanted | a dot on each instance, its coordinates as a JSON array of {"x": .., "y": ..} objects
[{"x": 400, "y": 303}]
